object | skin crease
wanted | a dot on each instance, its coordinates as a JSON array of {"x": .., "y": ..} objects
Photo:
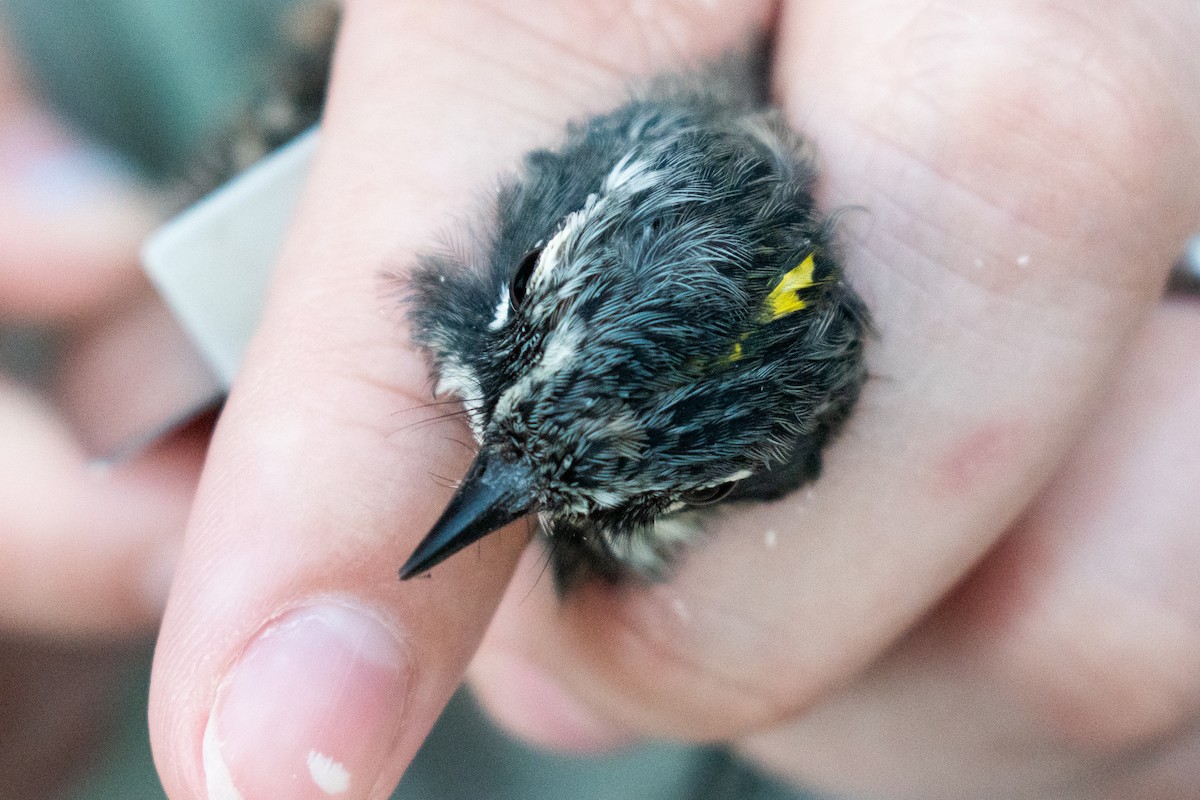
[{"x": 1029, "y": 175}]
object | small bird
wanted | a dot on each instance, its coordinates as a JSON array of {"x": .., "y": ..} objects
[{"x": 655, "y": 322}]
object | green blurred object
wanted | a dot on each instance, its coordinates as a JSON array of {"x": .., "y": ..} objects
[{"x": 149, "y": 78}]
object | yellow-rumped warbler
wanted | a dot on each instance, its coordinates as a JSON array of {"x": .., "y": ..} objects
[{"x": 656, "y": 321}]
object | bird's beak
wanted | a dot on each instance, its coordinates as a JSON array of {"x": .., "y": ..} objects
[{"x": 493, "y": 494}]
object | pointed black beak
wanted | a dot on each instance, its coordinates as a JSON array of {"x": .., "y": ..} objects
[{"x": 493, "y": 494}]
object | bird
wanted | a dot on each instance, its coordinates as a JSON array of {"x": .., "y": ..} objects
[{"x": 652, "y": 320}]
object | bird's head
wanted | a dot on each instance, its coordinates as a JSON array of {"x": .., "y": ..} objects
[{"x": 659, "y": 319}]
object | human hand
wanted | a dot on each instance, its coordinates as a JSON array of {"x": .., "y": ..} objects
[
  {"x": 1029, "y": 177},
  {"x": 87, "y": 551}
]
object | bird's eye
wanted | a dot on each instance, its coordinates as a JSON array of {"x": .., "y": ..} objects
[
  {"x": 520, "y": 279},
  {"x": 708, "y": 495}
]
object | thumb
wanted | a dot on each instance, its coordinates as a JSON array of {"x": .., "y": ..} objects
[{"x": 292, "y": 663}]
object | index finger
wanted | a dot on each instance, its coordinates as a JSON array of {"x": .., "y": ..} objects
[{"x": 291, "y": 662}]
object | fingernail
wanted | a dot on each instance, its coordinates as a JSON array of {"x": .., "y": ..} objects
[
  {"x": 311, "y": 710},
  {"x": 536, "y": 707}
]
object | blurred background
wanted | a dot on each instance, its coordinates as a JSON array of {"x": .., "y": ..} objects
[{"x": 150, "y": 79}]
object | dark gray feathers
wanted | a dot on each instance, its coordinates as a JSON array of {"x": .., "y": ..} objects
[{"x": 640, "y": 327}]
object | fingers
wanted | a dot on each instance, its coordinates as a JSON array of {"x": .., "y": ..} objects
[
  {"x": 1009, "y": 244},
  {"x": 72, "y": 226},
  {"x": 85, "y": 550},
  {"x": 73, "y": 219},
  {"x": 125, "y": 377},
  {"x": 1071, "y": 657},
  {"x": 292, "y": 662}
]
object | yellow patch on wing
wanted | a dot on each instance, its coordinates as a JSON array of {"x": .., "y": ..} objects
[
  {"x": 785, "y": 298},
  {"x": 734, "y": 353}
]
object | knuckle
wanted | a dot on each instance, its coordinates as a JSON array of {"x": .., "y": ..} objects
[
  {"x": 670, "y": 680},
  {"x": 1106, "y": 672}
]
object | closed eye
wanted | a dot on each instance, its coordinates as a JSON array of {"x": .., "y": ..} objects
[{"x": 708, "y": 495}]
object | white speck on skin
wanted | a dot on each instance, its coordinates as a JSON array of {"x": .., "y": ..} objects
[
  {"x": 218, "y": 783},
  {"x": 681, "y": 610},
  {"x": 329, "y": 775},
  {"x": 1023, "y": 260},
  {"x": 770, "y": 539},
  {"x": 978, "y": 263}
]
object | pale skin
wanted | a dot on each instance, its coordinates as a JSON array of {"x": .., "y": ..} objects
[
  {"x": 86, "y": 554},
  {"x": 990, "y": 591}
]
